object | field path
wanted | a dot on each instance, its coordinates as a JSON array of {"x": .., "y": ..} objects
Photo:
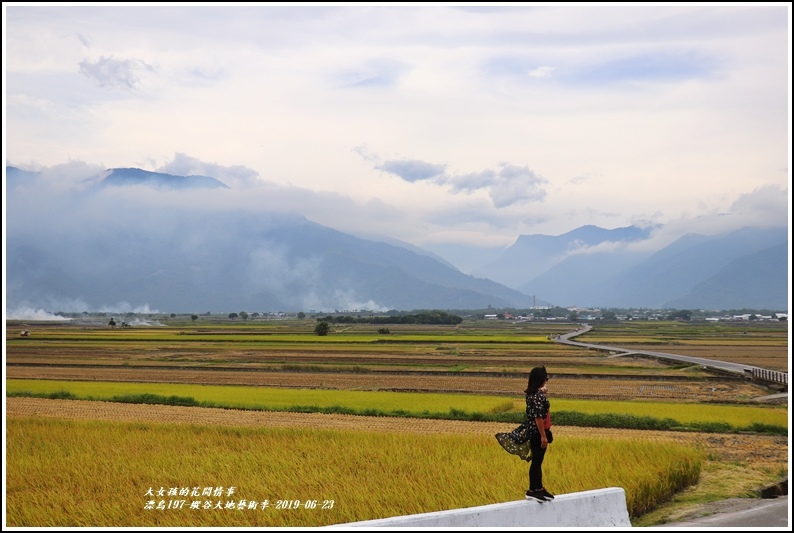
[{"x": 738, "y": 447}]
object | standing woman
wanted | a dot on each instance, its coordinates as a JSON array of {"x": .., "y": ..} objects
[{"x": 538, "y": 421}]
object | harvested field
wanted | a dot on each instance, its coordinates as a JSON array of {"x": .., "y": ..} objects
[
  {"x": 427, "y": 359},
  {"x": 768, "y": 357}
]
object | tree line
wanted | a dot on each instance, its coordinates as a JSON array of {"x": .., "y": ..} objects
[{"x": 425, "y": 317}]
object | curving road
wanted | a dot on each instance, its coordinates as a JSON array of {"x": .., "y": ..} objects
[{"x": 711, "y": 363}]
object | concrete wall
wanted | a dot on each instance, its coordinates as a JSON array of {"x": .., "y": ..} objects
[{"x": 594, "y": 508}]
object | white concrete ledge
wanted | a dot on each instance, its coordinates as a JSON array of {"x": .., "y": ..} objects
[{"x": 593, "y": 508}]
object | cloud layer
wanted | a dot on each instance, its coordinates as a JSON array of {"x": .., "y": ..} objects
[{"x": 437, "y": 125}]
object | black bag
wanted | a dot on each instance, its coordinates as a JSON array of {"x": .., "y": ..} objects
[{"x": 516, "y": 442}]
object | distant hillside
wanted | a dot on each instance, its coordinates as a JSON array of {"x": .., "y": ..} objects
[
  {"x": 532, "y": 255},
  {"x": 755, "y": 281},
  {"x": 674, "y": 271},
  {"x": 180, "y": 260},
  {"x": 567, "y": 283},
  {"x": 665, "y": 278},
  {"x": 255, "y": 262},
  {"x": 92, "y": 247},
  {"x": 408, "y": 246},
  {"x": 16, "y": 176}
]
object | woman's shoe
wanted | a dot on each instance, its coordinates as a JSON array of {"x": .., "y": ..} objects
[
  {"x": 546, "y": 494},
  {"x": 536, "y": 495}
]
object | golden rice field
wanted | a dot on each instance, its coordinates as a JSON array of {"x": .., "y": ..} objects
[
  {"x": 766, "y": 449},
  {"x": 164, "y": 446},
  {"x": 563, "y": 386},
  {"x": 274, "y": 398},
  {"x": 72, "y": 473},
  {"x": 269, "y": 398}
]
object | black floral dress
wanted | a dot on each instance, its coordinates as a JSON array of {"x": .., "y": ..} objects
[
  {"x": 517, "y": 441},
  {"x": 537, "y": 407}
]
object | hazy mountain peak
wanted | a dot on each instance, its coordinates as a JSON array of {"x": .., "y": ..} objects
[
  {"x": 532, "y": 255},
  {"x": 119, "y": 177},
  {"x": 588, "y": 234},
  {"x": 16, "y": 176}
]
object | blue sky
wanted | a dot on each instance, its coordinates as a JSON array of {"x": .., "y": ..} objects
[{"x": 439, "y": 125}]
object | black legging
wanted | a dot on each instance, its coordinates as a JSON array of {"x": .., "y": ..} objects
[{"x": 536, "y": 466}]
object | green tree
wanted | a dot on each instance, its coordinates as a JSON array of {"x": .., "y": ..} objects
[
  {"x": 608, "y": 315},
  {"x": 193, "y": 317},
  {"x": 232, "y": 315},
  {"x": 301, "y": 315},
  {"x": 173, "y": 315},
  {"x": 322, "y": 328},
  {"x": 573, "y": 316},
  {"x": 112, "y": 323},
  {"x": 683, "y": 314},
  {"x": 243, "y": 315}
]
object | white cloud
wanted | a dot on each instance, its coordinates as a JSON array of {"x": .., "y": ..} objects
[
  {"x": 115, "y": 73},
  {"x": 541, "y": 72},
  {"x": 236, "y": 176},
  {"x": 412, "y": 170}
]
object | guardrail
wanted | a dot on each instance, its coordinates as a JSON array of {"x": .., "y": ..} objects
[
  {"x": 773, "y": 376},
  {"x": 589, "y": 509}
]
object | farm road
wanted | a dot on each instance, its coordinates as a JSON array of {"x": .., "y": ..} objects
[
  {"x": 739, "y": 513},
  {"x": 725, "y": 366}
]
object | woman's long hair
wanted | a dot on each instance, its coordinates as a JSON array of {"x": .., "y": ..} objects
[{"x": 537, "y": 377}]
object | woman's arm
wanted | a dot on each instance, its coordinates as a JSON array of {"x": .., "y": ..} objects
[{"x": 544, "y": 441}]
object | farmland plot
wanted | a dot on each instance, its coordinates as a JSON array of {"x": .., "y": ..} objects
[{"x": 454, "y": 364}]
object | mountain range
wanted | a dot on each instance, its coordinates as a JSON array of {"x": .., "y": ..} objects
[
  {"x": 727, "y": 271},
  {"x": 101, "y": 245}
]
